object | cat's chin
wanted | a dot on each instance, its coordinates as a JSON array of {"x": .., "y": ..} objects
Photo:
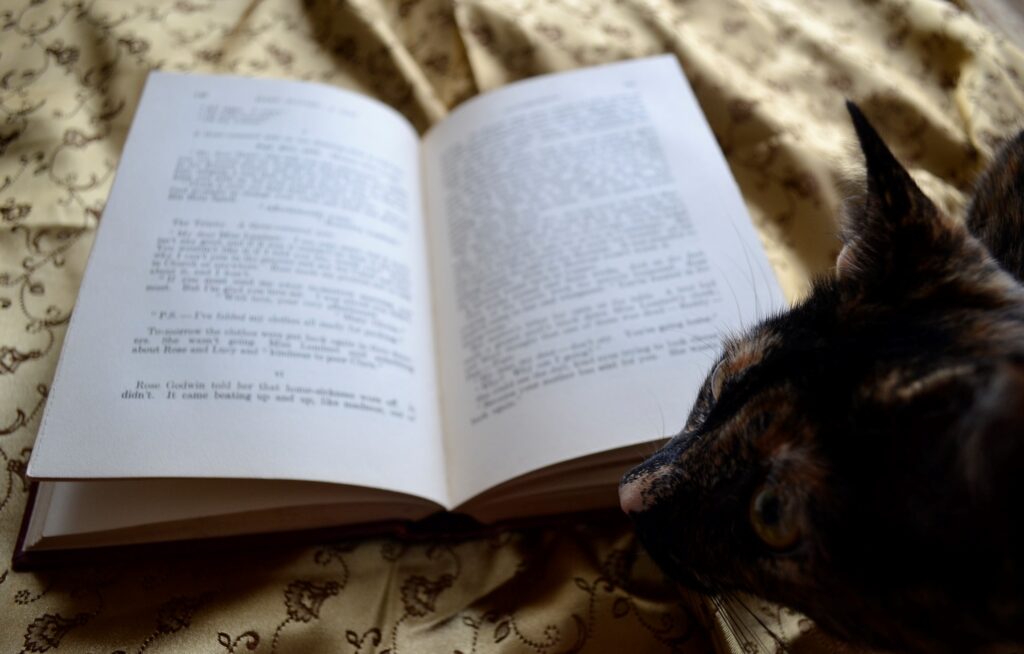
[
  {"x": 667, "y": 557},
  {"x": 682, "y": 576}
]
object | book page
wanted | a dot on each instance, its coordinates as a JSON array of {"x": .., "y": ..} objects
[
  {"x": 589, "y": 249},
  {"x": 256, "y": 303}
]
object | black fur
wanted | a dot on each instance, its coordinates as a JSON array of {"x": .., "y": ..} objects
[{"x": 888, "y": 407}]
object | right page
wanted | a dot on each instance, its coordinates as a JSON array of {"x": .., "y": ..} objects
[{"x": 589, "y": 251}]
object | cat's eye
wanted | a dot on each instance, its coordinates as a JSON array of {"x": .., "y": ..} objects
[
  {"x": 773, "y": 519},
  {"x": 718, "y": 380}
]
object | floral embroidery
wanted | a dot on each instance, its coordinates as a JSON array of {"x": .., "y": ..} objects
[
  {"x": 419, "y": 593},
  {"x": 70, "y": 72},
  {"x": 46, "y": 631},
  {"x": 65, "y": 56},
  {"x": 10, "y": 359},
  {"x": 304, "y": 599},
  {"x": 176, "y": 614}
]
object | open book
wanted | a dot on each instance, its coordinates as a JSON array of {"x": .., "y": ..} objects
[{"x": 299, "y": 314}]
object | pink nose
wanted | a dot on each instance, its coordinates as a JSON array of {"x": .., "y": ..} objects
[
  {"x": 642, "y": 487},
  {"x": 631, "y": 497}
]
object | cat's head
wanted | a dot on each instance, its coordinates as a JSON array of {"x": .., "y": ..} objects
[{"x": 857, "y": 456}]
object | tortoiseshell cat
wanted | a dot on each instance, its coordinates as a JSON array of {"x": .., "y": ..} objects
[{"x": 860, "y": 457}]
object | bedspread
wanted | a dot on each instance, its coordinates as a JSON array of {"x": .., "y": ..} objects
[{"x": 771, "y": 77}]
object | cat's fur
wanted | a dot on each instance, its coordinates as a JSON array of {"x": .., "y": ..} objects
[{"x": 880, "y": 420}]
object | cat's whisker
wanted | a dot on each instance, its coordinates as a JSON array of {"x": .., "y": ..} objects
[
  {"x": 781, "y": 645},
  {"x": 752, "y": 275},
  {"x": 723, "y": 331},
  {"x": 751, "y": 634},
  {"x": 727, "y": 628},
  {"x": 740, "y": 632},
  {"x": 735, "y": 299},
  {"x": 716, "y": 598},
  {"x": 661, "y": 412},
  {"x": 710, "y": 356}
]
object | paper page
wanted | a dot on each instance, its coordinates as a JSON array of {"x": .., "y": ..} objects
[
  {"x": 589, "y": 249},
  {"x": 256, "y": 304}
]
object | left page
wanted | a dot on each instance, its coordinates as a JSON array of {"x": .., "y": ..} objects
[{"x": 256, "y": 302}]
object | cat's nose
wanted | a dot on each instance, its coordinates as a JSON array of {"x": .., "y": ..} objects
[
  {"x": 640, "y": 488},
  {"x": 631, "y": 494}
]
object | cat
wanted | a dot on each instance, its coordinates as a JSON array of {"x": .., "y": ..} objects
[{"x": 860, "y": 456}]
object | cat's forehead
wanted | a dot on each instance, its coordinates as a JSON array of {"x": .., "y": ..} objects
[{"x": 749, "y": 349}]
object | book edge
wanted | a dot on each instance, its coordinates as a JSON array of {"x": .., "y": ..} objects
[{"x": 442, "y": 525}]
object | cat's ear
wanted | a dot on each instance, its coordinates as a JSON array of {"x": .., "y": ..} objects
[
  {"x": 996, "y": 214},
  {"x": 895, "y": 222}
]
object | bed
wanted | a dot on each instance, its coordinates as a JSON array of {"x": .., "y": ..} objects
[{"x": 771, "y": 76}]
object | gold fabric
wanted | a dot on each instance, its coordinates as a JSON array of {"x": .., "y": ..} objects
[{"x": 771, "y": 77}]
